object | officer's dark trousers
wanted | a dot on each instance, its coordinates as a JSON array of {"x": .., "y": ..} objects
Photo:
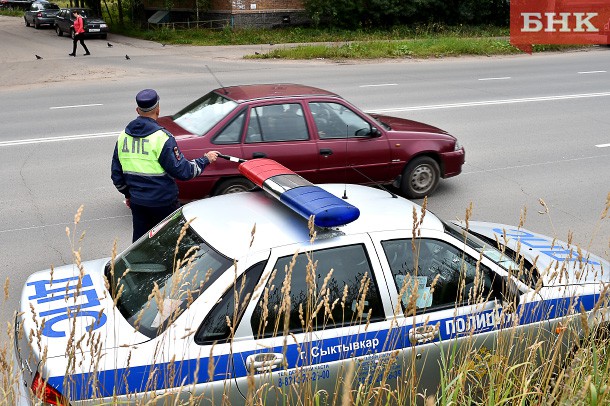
[{"x": 145, "y": 218}]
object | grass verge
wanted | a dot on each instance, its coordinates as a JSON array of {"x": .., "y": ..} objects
[
  {"x": 416, "y": 48},
  {"x": 422, "y": 41}
]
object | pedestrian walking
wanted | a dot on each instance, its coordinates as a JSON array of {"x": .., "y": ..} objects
[
  {"x": 79, "y": 33},
  {"x": 145, "y": 164}
]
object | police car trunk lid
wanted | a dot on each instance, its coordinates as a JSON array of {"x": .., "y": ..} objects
[
  {"x": 558, "y": 262},
  {"x": 61, "y": 306}
]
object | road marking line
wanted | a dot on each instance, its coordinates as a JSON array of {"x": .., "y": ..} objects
[
  {"x": 74, "y": 107},
  {"x": 57, "y": 139},
  {"x": 591, "y": 71},
  {"x": 502, "y": 78},
  {"x": 62, "y": 224},
  {"x": 602, "y": 145},
  {"x": 492, "y": 102},
  {"x": 480, "y": 170},
  {"x": 380, "y": 85}
]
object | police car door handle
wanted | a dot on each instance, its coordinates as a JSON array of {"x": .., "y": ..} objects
[
  {"x": 423, "y": 334},
  {"x": 326, "y": 152},
  {"x": 259, "y": 155},
  {"x": 264, "y": 362}
]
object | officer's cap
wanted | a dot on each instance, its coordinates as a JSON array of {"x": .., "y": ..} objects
[{"x": 147, "y": 100}]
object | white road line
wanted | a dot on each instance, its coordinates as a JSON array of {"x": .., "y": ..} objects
[
  {"x": 380, "y": 85},
  {"x": 591, "y": 71},
  {"x": 74, "y": 107},
  {"x": 478, "y": 170},
  {"x": 602, "y": 145},
  {"x": 56, "y": 139},
  {"x": 502, "y": 78},
  {"x": 492, "y": 102},
  {"x": 62, "y": 224}
]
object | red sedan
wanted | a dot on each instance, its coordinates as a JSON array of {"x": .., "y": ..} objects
[{"x": 316, "y": 133}]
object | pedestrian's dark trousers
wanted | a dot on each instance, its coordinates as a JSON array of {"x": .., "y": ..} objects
[
  {"x": 145, "y": 218},
  {"x": 81, "y": 38}
]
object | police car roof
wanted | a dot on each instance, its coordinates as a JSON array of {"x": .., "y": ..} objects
[{"x": 226, "y": 222}]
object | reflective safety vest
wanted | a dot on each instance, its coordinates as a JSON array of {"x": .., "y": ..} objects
[{"x": 140, "y": 155}]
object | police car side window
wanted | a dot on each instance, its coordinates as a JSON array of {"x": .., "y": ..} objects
[
  {"x": 434, "y": 274},
  {"x": 321, "y": 289},
  {"x": 231, "y": 134},
  {"x": 214, "y": 327}
]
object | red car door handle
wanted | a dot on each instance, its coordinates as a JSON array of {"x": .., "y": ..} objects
[
  {"x": 259, "y": 155},
  {"x": 326, "y": 151}
]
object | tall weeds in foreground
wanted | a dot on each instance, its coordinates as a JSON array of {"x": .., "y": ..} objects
[{"x": 569, "y": 365}]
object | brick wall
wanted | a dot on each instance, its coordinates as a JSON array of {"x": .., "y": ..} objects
[
  {"x": 243, "y": 13},
  {"x": 232, "y": 5},
  {"x": 261, "y": 19}
]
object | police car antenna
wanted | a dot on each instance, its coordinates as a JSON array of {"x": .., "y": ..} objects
[
  {"x": 379, "y": 185},
  {"x": 217, "y": 81}
]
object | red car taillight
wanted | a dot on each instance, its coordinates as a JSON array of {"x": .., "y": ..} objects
[{"x": 46, "y": 393}]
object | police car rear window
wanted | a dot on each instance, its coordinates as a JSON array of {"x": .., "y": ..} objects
[{"x": 156, "y": 279}]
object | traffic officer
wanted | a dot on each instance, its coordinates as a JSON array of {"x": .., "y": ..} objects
[{"x": 146, "y": 162}]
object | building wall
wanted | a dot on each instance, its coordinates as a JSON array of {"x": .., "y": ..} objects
[
  {"x": 242, "y": 13},
  {"x": 235, "y": 6},
  {"x": 261, "y": 19},
  {"x": 241, "y": 5}
]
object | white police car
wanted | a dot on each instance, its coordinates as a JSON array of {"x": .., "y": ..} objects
[{"x": 201, "y": 309}]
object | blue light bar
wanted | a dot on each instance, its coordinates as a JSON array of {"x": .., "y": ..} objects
[{"x": 298, "y": 194}]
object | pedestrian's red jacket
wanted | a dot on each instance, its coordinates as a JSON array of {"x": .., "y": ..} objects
[{"x": 78, "y": 25}]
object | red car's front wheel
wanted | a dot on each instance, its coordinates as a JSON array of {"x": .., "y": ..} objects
[{"x": 420, "y": 177}]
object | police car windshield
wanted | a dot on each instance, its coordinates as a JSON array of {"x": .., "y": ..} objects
[
  {"x": 158, "y": 277},
  {"x": 203, "y": 114}
]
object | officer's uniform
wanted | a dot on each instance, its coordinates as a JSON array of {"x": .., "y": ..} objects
[{"x": 145, "y": 164}]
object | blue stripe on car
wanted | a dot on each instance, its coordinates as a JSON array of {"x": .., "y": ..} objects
[{"x": 121, "y": 381}]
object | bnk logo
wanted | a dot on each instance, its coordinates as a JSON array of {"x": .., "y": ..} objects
[
  {"x": 562, "y": 22},
  {"x": 559, "y": 22}
]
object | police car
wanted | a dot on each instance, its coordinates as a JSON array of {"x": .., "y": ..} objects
[{"x": 284, "y": 287}]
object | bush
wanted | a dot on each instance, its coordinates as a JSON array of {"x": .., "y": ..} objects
[{"x": 388, "y": 13}]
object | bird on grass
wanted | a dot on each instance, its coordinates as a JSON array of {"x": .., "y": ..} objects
[
  {"x": 109, "y": 44},
  {"x": 127, "y": 57},
  {"x": 38, "y": 57}
]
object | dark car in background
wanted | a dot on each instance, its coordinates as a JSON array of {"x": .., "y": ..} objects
[
  {"x": 94, "y": 25},
  {"x": 15, "y": 4},
  {"x": 317, "y": 133},
  {"x": 41, "y": 13}
]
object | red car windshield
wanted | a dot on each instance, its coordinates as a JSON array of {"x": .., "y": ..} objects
[{"x": 204, "y": 113}]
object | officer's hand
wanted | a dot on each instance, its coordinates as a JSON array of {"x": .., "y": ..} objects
[{"x": 211, "y": 156}]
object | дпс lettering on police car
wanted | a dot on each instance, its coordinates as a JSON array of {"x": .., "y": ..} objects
[{"x": 153, "y": 321}]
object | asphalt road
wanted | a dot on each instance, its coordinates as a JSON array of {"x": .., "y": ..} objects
[{"x": 534, "y": 127}]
